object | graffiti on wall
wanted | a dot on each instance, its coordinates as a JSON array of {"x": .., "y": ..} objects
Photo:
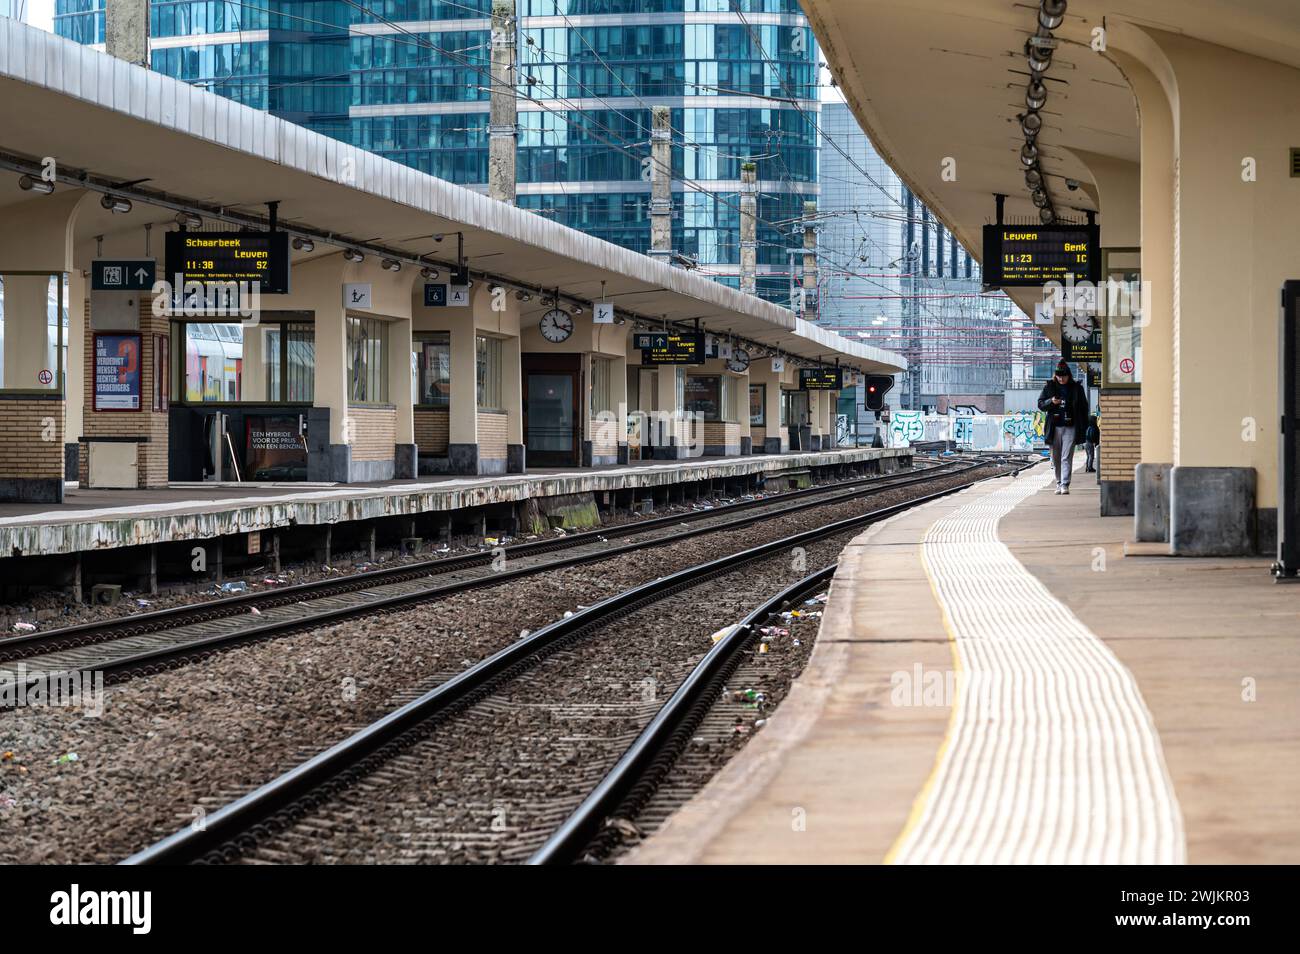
[
  {"x": 1023, "y": 429},
  {"x": 979, "y": 432}
]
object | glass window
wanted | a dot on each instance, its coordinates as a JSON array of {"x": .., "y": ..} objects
[
  {"x": 274, "y": 362},
  {"x": 704, "y": 396},
  {"x": 602, "y": 385},
  {"x": 367, "y": 364},
  {"x": 37, "y": 361},
  {"x": 758, "y": 405},
  {"x": 785, "y": 408},
  {"x": 432, "y": 369},
  {"x": 489, "y": 373}
]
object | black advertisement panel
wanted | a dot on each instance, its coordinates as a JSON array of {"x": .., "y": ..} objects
[
  {"x": 230, "y": 257},
  {"x": 666, "y": 347},
  {"x": 821, "y": 379},
  {"x": 1032, "y": 255},
  {"x": 274, "y": 449}
]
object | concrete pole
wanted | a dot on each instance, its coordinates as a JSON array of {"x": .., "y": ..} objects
[
  {"x": 749, "y": 228},
  {"x": 126, "y": 30},
  {"x": 504, "y": 107},
  {"x": 809, "y": 262},
  {"x": 661, "y": 196}
]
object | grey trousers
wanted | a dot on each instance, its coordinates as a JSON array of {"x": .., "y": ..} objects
[
  {"x": 1089, "y": 455},
  {"x": 1063, "y": 454}
]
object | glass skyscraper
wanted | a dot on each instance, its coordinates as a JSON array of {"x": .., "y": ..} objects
[
  {"x": 892, "y": 275},
  {"x": 409, "y": 80}
]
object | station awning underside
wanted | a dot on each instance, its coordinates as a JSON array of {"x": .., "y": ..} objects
[
  {"x": 937, "y": 80},
  {"x": 94, "y": 113}
]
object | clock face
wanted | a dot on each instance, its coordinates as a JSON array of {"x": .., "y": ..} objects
[
  {"x": 739, "y": 360},
  {"x": 556, "y": 325},
  {"x": 1076, "y": 328}
]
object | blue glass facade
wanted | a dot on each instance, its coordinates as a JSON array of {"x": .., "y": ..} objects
[{"x": 408, "y": 80}]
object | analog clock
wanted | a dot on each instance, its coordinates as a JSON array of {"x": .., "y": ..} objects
[
  {"x": 739, "y": 360},
  {"x": 1076, "y": 328},
  {"x": 556, "y": 325}
]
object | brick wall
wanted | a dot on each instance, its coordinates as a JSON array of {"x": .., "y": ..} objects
[
  {"x": 373, "y": 431},
  {"x": 1121, "y": 433},
  {"x": 721, "y": 433},
  {"x": 147, "y": 426},
  {"x": 27, "y": 450},
  {"x": 491, "y": 436},
  {"x": 432, "y": 430},
  {"x": 604, "y": 437}
]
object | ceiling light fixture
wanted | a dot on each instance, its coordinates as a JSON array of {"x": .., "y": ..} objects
[
  {"x": 352, "y": 255},
  {"x": 304, "y": 244},
  {"x": 1051, "y": 14},
  {"x": 116, "y": 204},
  {"x": 30, "y": 184},
  {"x": 1036, "y": 94}
]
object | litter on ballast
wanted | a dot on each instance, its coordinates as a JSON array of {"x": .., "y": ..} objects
[
  {"x": 723, "y": 633},
  {"x": 67, "y": 757},
  {"x": 752, "y": 697},
  {"x": 24, "y": 627},
  {"x": 255, "y": 611},
  {"x": 143, "y": 603},
  {"x": 237, "y": 587}
]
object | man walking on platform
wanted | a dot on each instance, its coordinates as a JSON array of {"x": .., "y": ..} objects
[
  {"x": 1066, "y": 406},
  {"x": 1091, "y": 438}
]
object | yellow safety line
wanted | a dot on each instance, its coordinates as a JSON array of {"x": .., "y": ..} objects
[{"x": 923, "y": 797}]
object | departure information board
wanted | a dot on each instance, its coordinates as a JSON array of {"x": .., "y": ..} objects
[
  {"x": 667, "y": 347},
  {"x": 230, "y": 257},
  {"x": 821, "y": 379},
  {"x": 1031, "y": 255}
]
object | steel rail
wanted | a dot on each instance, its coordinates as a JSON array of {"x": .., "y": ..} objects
[
  {"x": 237, "y": 819},
  {"x": 83, "y": 634},
  {"x": 632, "y": 780},
  {"x": 150, "y": 661}
]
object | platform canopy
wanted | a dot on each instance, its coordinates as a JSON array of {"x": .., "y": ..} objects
[
  {"x": 121, "y": 123},
  {"x": 938, "y": 80}
]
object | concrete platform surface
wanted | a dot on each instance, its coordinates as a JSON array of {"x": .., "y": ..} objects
[
  {"x": 96, "y": 519},
  {"x": 995, "y": 681}
]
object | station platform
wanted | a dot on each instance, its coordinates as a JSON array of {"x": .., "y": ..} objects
[
  {"x": 996, "y": 682},
  {"x": 92, "y": 520}
]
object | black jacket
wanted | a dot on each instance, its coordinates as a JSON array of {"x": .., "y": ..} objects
[{"x": 1077, "y": 402}]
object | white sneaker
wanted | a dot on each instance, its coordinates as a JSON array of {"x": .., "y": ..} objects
[
  {"x": 1065, "y": 490},
  {"x": 1059, "y": 491}
]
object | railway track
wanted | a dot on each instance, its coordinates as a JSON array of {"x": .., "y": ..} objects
[
  {"x": 151, "y": 642},
  {"x": 527, "y": 709}
]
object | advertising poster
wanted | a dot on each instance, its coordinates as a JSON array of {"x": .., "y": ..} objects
[
  {"x": 274, "y": 448},
  {"x": 117, "y": 372}
]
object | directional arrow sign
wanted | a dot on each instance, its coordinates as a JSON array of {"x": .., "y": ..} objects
[{"x": 132, "y": 274}]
